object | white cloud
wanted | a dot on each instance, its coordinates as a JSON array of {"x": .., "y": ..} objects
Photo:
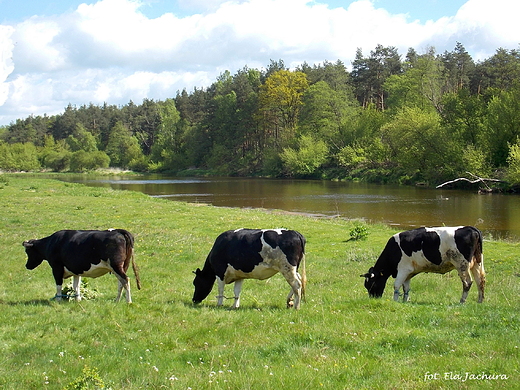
[
  {"x": 111, "y": 52},
  {"x": 6, "y": 62}
]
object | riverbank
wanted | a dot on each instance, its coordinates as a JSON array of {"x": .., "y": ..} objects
[{"x": 339, "y": 339}]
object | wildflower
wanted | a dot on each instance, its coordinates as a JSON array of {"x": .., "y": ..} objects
[
  {"x": 173, "y": 378},
  {"x": 155, "y": 368}
]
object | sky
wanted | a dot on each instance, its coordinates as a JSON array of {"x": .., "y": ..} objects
[{"x": 60, "y": 52}]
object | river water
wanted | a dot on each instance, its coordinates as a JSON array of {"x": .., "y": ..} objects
[{"x": 405, "y": 207}]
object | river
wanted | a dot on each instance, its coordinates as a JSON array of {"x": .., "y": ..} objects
[{"x": 497, "y": 215}]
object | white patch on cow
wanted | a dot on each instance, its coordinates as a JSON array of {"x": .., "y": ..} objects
[
  {"x": 261, "y": 271},
  {"x": 418, "y": 263},
  {"x": 95, "y": 270}
]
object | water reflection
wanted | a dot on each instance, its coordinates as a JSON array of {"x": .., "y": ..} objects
[{"x": 405, "y": 207}]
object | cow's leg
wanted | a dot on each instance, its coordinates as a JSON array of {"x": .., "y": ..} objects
[
  {"x": 290, "y": 300},
  {"x": 237, "y": 289},
  {"x": 123, "y": 283},
  {"x": 402, "y": 279},
  {"x": 58, "y": 295},
  {"x": 294, "y": 280},
  {"x": 406, "y": 288},
  {"x": 220, "y": 298},
  {"x": 76, "y": 283},
  {"x": 479, "y": 275},
  {"x": 466, "y": 282},
  {"x": 57, "y": 272}
]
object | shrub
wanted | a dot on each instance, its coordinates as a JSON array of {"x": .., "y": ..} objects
[{"x": 359, "y": 231}]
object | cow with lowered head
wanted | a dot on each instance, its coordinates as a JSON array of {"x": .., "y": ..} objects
[
  {"x": 89, "y": 253},
  {"x": 438, "y": 250},
  {"x": 252, "y": 254}
]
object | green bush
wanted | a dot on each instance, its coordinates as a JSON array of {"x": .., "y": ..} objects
[
  {"x": 359, "y": 231},
  {"x": 19, "y": 157},
  {"x": 86, "y": 161}
]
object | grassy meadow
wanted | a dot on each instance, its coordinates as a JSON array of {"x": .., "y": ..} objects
[{"x": 340, "y": 339}]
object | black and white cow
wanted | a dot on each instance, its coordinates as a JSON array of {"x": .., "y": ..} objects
[
  {"x": 89, "y": 253},
  {"x": 252, "y": 254},
  {"x": 438, "y": 250}
]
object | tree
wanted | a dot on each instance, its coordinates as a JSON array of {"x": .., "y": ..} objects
[
  {"x": 420, "y": 86},
  {"x": 497, "y": 72},
  {"x": 280, "y": 102},
  {"x": 169, "y": 147},
  {"x": 370, "y": 74},
  {"x": 413, "y": 138},
  {"x": 464, "y": 115},
  {"x": 513, "y": 161},
  {"x": 326, "y": 113},
  {"x": 123, "y": 148},
  {"x": 81, "y": 139},
  {"x": 81, "y": 161},
  {"x": 306, "y": 158},
  {"x": 143, "y": 122},
  {"x": 458, "y": 68},
  {"x": 18, "y": 157},
  {"x": 503, "y": 124}
]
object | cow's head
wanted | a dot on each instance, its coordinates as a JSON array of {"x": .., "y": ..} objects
[
  {"x": 34, "y": 257},
  {"x": 203, "y": 283},
  {"x": 375, "y": 283}
]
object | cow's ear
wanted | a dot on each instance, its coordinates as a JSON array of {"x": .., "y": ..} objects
[
  {"x": 28, "y": 244},
  {"x": 197, "y": 271},
  {"x": 365, "y": 275}
]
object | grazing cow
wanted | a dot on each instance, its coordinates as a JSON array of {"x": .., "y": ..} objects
[
  {"x": 252, "y": 254},
  {"x": 89, "y": 253},
  {"x": 438, "y": 250}
]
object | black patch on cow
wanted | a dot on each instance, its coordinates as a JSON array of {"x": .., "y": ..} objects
[
  {"x": 392, "y": 256},
  {"x": 240, "y": 249},
  {"x": 287, "y": 243},
  {"x": 421, "y": 240},
  {"x": 467, "y": 238}
]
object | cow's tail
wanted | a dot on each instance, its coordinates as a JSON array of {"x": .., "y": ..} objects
[
  {"x": 136, "y": 271},
  {"x": 302, "y": 264},
  {"x": 130, "y": 254},
  {"x": 304, "y": 277},
  {"x": 479, "y": 257}
]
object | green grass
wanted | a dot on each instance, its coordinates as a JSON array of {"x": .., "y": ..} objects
[{"x": 340, "y": 339}]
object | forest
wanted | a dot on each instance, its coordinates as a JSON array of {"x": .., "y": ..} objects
[{"x": 419, "y": 118}]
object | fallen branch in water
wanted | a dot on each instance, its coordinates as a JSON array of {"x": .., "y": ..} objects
[{"x": 476, "y": 179}]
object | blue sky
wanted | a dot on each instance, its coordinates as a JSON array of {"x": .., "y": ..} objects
[
  {"x": 55, "y": 53},
  {"x": 423, "y": 10}
]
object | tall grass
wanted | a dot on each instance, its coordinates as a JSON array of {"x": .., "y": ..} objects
[{"x": 340, "y": 339}]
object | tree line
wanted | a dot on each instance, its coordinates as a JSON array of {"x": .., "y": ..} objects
[{"x": 419, "y": 118}]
